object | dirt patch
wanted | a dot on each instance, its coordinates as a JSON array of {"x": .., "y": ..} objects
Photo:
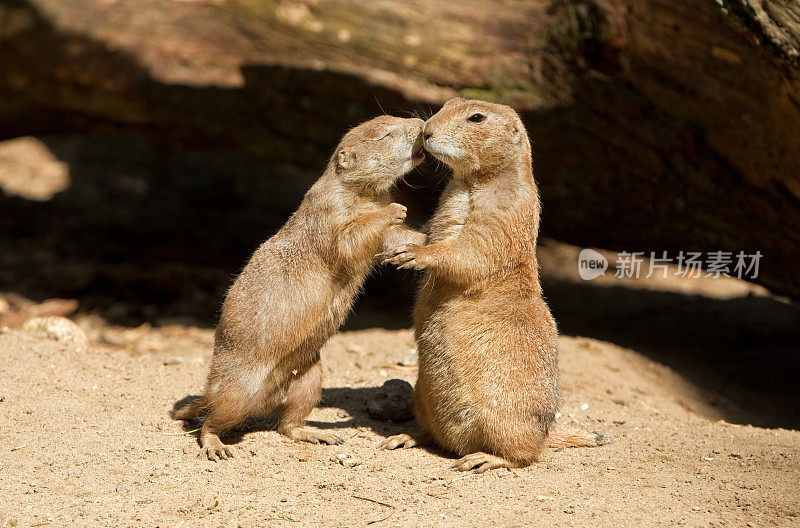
[{"x": 86, "y": 441}]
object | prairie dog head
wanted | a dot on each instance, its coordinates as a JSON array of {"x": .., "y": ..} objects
[
  {"x": 475, "y": 137},
  {"x": 378, "y": 152}
]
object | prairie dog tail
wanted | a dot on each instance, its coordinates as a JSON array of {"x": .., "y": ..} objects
[
  {"x": 575, "y": 437},
  {"x": 190, "y": 410}
]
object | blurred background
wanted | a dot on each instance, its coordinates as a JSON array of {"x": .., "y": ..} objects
[{"x": 148, "y": 146}]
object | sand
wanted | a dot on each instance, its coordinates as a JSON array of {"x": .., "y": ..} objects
[{"x": 86, "y": 441}]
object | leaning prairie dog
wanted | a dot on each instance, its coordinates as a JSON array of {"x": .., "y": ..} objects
[
  {"x": 487, "y": 387},
  {"x": 300, "y": 284}
]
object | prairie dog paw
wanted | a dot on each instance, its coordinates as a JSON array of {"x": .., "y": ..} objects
[
  {"x": 402, "y": 441},
  {"x": 481, "y": 463},
  {"x": 215, "y": 450},
  {"x": 313, "y": 436},
  {"x": 396, "y": 212},
  {"x": 404, "y": 257}
]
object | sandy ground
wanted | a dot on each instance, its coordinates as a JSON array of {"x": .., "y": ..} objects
[{"x": 86, "y": 442}]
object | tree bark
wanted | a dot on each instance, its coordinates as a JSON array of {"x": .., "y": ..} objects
[{"x": 657, "y": 124}]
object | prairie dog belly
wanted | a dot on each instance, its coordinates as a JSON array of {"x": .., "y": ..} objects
[
  {"x": 273, "y": 307},
  {"x": 484, "y": 368}
]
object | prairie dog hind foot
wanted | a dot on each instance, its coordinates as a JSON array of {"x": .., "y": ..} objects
[
  {"x": 311, "y": 435},
  {"x": 406, "y": 441},
  {"x": 482, "y": 462},
  {"x": 401, "y": 441},
  {"x": 213, "y": 449}
]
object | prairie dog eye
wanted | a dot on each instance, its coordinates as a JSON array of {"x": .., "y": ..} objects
[
  {"x": 382, "y": 135},
  {"x": 477, "y": 118}
]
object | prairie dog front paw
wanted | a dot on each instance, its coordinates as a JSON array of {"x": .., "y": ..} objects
[
  {"x": 396, "y": 213},
  {"x": 407, "y": 256}
]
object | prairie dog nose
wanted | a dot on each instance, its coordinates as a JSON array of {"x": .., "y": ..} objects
[{"x": 414, "y": 127}]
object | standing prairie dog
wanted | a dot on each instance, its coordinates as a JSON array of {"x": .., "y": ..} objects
[
  {"x": 487, "y": 387},
  {"x": 300, "y": 284}
]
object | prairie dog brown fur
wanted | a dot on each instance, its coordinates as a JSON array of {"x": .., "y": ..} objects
[
  {"x": 487, "y": 387},
  {"x": 300, "y": 284}
]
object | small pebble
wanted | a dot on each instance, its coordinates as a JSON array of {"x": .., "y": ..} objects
[
  {"x": 411, "y": 359},
  {"x": 174, "y": 360},
  {"x": 112, "y": 338},
  {"x": 351, "y": 462},
  {"x": 584, "y": 406},
  {"x": 58, "y": 328},
  {"x": 347, "y": 460},
  {"x": 355, "y": 349}
]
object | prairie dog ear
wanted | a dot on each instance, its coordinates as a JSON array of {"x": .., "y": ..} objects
[
  {"x": 515, "y": 130},
  {"x": 346, "y": 159}
]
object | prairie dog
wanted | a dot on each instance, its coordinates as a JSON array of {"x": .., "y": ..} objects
[
  {"x": 300, "y": 284},
  {"x": 487, "y": 388}
]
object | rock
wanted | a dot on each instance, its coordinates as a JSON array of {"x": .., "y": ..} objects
[
  {"x": 394, "y": 401},
  {"x": 36, "y": 173},
  {"x": 174, "y": 361},
  {"x": 355, "y": 349},
  {"x": 347, "y": 461},
  {"x": 58, "y": 328},
  {"x": 112, "y": 338},
  {"x": 53, "y": 307},
  {"x": 351, "y": 462},
  {"x": 411, "y": 359}
]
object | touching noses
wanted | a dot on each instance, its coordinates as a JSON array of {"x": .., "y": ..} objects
[{"x": 427, "y": 132}]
